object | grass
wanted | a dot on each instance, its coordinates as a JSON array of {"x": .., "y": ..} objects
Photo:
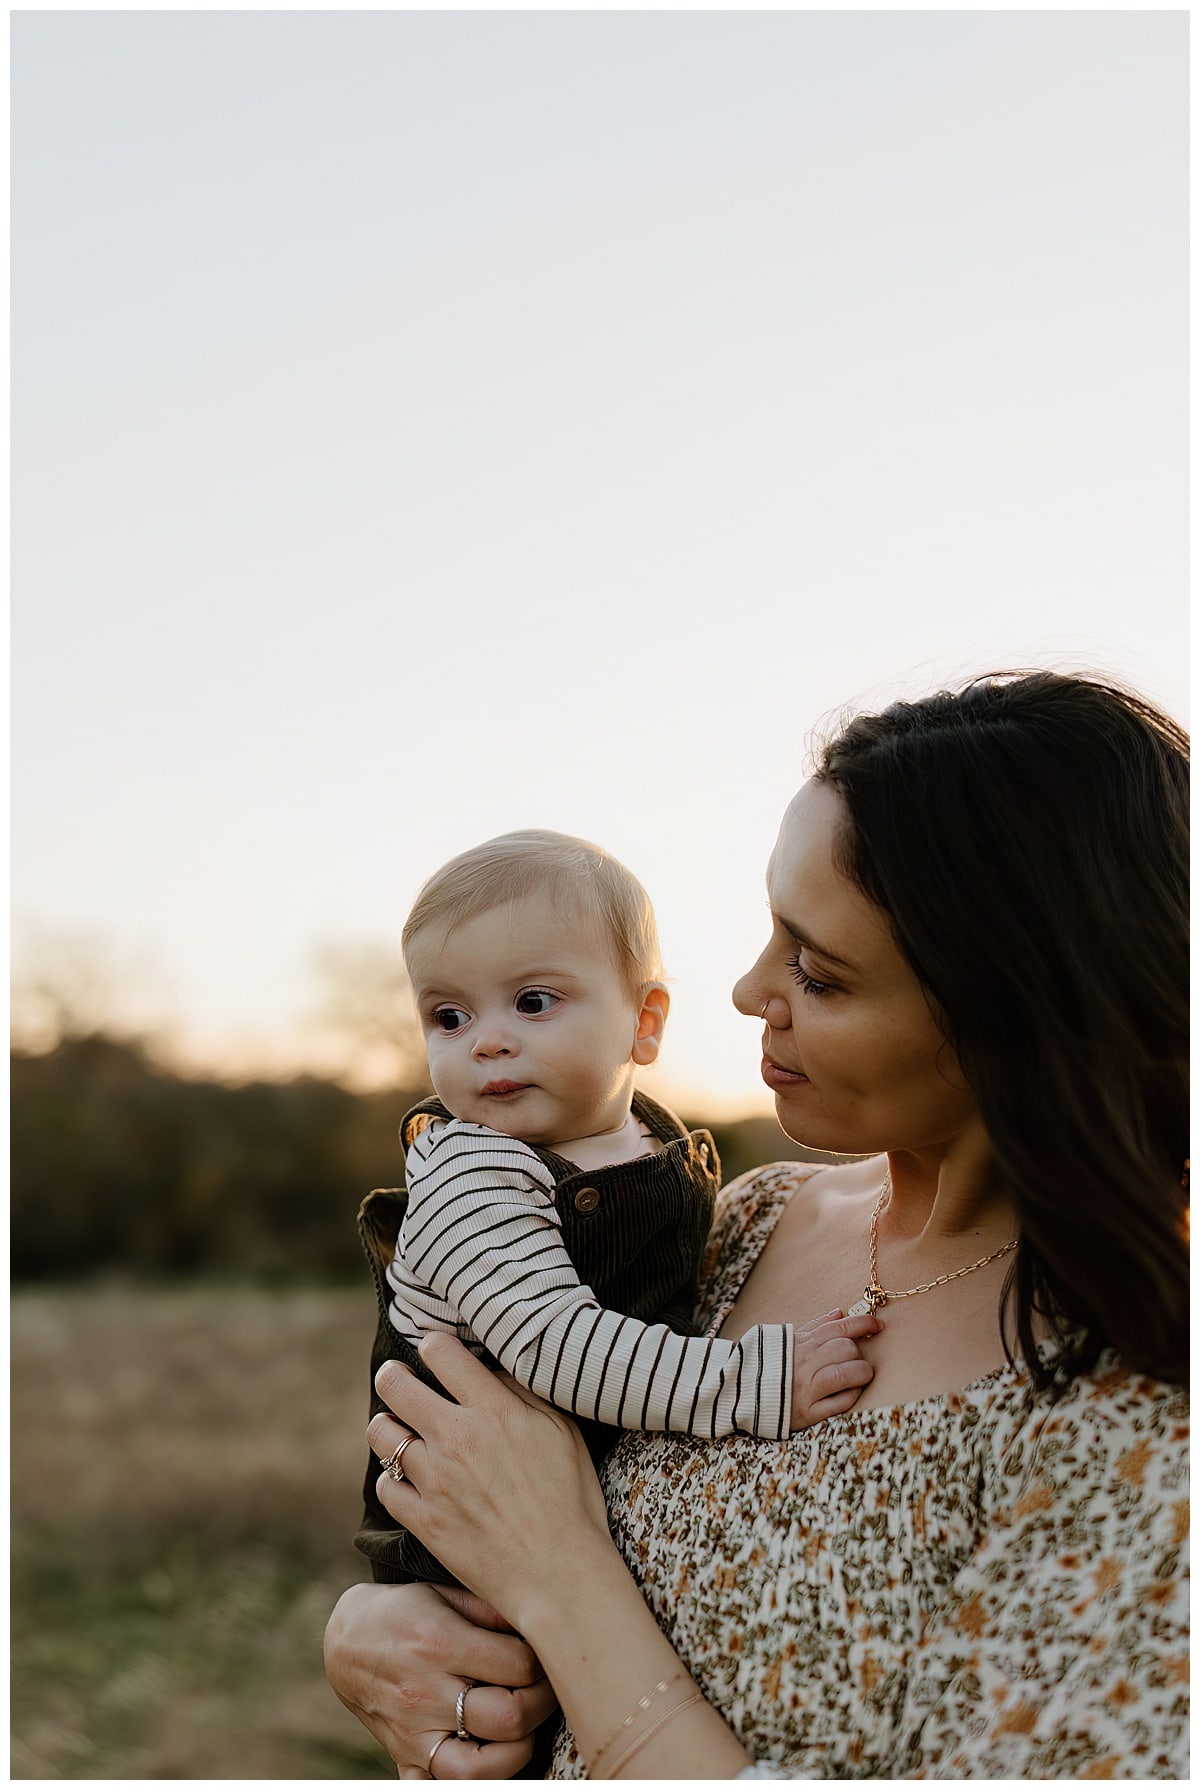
[{"x": 185, "y": 1470}]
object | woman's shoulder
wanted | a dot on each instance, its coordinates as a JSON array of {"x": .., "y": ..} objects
[
  {"x": 769, "y": 1185},
  {"x": 1120, "y": 1412},
  {"x": 1113, "y": 1439}
]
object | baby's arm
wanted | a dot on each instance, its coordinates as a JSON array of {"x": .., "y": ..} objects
[
  {"x": 828, "y": 1371},
  {"x": 483, "y": 1233}
]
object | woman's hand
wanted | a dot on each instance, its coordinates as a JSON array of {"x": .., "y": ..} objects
[
  {"x": 398, "y": 1655},
  {"x": 498, "y": 1486}
]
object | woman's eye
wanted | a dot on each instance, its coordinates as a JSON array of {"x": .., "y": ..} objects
[
  {"x": 450, "y": 1019},
  {"x": 808, "y": 983},
  {"x": 532, "y": 1002}
]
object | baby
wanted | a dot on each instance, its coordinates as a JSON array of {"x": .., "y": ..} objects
[{"x": 556, "y": 1218}]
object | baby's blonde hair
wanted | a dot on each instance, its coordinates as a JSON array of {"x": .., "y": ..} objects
[{"x": 575, "y": 874}]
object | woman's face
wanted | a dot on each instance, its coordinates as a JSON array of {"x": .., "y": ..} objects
[{"x": 851, "y": 1050}]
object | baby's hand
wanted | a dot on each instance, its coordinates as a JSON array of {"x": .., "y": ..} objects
[{"x": 828, "y": 1372}]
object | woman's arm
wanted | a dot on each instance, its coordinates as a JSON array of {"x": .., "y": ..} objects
[
  {"x": 501, "y": 1489},
  {"x": 398, "y": 1655}
]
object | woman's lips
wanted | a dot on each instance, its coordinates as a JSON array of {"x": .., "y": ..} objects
[
  {"x": 776, "y": 1076},
  {"x": 501, "y": 1090}
]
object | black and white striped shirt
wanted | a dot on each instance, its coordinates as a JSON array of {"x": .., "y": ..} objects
[{"x": 480, "y": 1255}]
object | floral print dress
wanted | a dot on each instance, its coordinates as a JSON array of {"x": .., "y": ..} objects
[{"x": 979, "y": 1584}]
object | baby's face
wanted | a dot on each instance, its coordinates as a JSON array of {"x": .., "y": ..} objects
[{"x": 529, "y": 1025}]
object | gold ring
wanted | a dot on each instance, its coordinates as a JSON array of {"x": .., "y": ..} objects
[
  {"x": 392, "y": 1466},
  {"x": 434, "y": 1754},
  {"x": 461, "y": 1732}
]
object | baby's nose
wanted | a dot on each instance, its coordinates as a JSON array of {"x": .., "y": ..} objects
[{"x": 493, "y": 1042}]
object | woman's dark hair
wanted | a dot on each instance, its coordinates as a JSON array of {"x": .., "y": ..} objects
[{"x": 1028, "y": 838}]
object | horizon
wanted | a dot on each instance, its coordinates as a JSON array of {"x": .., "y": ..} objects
[{"x": 426, "y": 425}]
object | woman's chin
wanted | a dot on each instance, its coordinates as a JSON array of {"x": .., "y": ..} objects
[
  {"x": 793, "y": 1125},
  {"x": 808, "y": 1132}
]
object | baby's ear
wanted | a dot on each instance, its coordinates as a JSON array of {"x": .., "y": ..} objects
[{"x": 652, "y": 1020}]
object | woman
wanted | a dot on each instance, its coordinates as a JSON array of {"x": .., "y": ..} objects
[{"x": 975, "y": 982}]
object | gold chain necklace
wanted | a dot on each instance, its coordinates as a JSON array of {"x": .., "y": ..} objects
[{"x": 874, "y": 1295}]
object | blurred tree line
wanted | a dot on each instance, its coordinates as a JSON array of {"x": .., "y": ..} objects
[{"x": 121, "y": 1163}]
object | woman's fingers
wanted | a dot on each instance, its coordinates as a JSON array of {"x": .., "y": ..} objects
[
  {"x": 474, "y": 1608},
  {"x": 494, "y": 1712},
  {"x": 462, "y": 1374},
  {"x": 501, "y": 1724},
  {"x": 417, "y": 1406},
  {"x": 474, "y": 1470},
  {"x": 424, "y": 1410},
  {"x": 399, "y": 1655},
  {"x": 467, "y": 1380},
  {"x": 385, "y": 1436},
  {"x": 463, "y": 1759},
  {"x": 412, "y": 1635}
]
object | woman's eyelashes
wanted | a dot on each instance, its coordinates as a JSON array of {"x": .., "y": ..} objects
[{"x": 808, "y": 983}]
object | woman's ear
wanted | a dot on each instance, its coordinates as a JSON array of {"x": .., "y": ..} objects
[{"x": 652, "y": 1022}]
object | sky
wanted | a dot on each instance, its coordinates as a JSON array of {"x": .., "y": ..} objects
[{"x": 429, "y": 424}]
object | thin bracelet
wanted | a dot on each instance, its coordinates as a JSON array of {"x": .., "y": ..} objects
[
  {"x": 664, "y": 1684},
  {"x": 636, "y": 1745}
]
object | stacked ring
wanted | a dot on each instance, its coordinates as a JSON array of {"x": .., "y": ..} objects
[
  {"x": 461, "y": 1732},
  {"x": 433, "y": 1755},
  {"x": 392, "y": 1466}
]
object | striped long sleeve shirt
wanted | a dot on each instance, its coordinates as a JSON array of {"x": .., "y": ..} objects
[{"x": 480, "y": 1255}]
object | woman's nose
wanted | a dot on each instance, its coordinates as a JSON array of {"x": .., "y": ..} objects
[
  {"x": 776, "y": 1012},
  {"x": 743, "y": 995},
  {"x": 752, "y": 998}
]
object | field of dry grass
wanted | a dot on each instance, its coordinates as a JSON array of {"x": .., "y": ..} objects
[{"x": 185, "y": 1470}]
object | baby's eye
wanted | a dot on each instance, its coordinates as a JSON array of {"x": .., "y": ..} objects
[
  {"x": 532, "y": 1002},
  {"x": 450, "y": 1019}
]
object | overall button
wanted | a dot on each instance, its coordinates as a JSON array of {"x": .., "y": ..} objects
[{"x": 587, "y": 1199}]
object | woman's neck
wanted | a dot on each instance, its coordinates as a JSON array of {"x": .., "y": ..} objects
[{"x": 949, "y": 1191}]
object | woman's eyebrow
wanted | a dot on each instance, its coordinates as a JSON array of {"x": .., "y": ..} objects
[{"x": 803, "y": 938}]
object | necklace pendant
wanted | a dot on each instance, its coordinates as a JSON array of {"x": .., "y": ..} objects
[{"x": 873, "y": 1297}]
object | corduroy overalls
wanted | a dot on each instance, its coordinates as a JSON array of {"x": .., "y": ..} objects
[{"x": 636, "y": 1233}]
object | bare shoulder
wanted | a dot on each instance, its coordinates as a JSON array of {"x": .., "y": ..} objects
[
  {"x": 774, "y": 1181},
  {"x": 802, "y": 1192},
  {"x": 831, "y": 1198},
  {"x": 748, "y": 1209},
  {"x": 790, "y": 1239},
  {"x": 778, "y": 1212}
]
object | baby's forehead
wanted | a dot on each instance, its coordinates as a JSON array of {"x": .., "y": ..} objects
[{"x": 528, "y": 933}]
